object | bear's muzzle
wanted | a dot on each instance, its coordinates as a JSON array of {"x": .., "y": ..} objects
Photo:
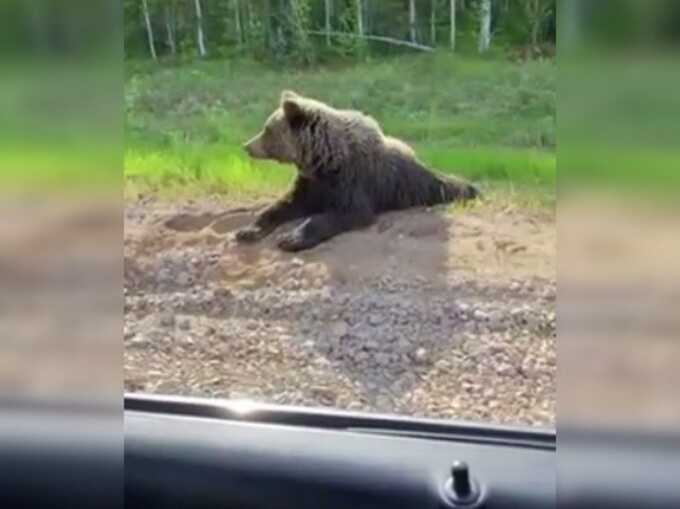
[{"x": 254, "y": 147}]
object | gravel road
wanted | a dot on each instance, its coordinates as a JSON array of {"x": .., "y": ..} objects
[{"x": 429, "y": 312}]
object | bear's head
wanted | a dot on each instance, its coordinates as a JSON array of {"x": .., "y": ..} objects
[{"x": 279, "y": 138}]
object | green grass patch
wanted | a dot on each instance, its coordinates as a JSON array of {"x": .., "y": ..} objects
[
  {"x": 492, "y": 121},
  {"x": 61, "y": 127},
  {"x": 48, "y": 166},
  {"x": 212, "y": 169},
  {"x": 523, "y": 168}
]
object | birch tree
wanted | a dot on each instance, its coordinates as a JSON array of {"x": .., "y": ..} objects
[
  {"x": 453, "y": 24},
  {"x": 237, "y": 22},
  {"x": 484, "y": 25},
  {"x": 149, "y": 29},
  {"x": 412, "y": 20},
  {"x": 170, "y": 29},
  {"x": 328, "y": 22},
  {"x": 535, "y": 11},
  {"x": 433, "y": 22},
  {"x": 360, "y": 17},
  {"x": 199, "y": 29}
]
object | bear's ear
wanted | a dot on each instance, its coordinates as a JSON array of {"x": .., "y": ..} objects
[
  {"x": 288, "y": 94},
  {"x": 294, "y": 111}
]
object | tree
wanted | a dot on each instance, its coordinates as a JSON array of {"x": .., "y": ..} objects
[
  {"x": 199, "y": 29},
  {"x": 170, "y": 28},
  {"x": 453, "y": 24},
  {"x": 360, "y": 17},
  {"x": 412, "y": 20},
  {"x": 536, "y": 11},
  {"x": 433, "y": 22},
  {"x": 328, "y": 21},
  {"x": 484, "y": 25},
  {"x": 237, "y": 22},
  {"x": 297, "y": 24},
  {"x": 149, "y": 29}
]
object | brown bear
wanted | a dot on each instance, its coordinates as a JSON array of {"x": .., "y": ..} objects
[{"x": 348, "y": 172}]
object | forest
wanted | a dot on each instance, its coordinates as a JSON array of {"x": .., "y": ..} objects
[{"x": 307, "y": 31}]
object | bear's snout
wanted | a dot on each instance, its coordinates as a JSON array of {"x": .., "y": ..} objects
[
  {"x": 248, "y": 149},
  {"x": 254, "y": 148}
]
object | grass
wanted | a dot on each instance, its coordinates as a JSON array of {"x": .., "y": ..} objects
[
  {"x": 489, "y": 120},
  {"x": 620, "y": 139},
  {"x": 65, "y": 137}
]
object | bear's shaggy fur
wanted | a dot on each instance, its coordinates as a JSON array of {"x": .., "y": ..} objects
[{"x": 348, "y": 172}]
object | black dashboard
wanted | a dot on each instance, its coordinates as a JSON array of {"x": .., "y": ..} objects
[{"x": 196, "y": 453}]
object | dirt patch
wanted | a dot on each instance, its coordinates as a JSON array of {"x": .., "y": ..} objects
[
  {"x": 428, "y": 312},
  {"x": 60, "y": 270}
]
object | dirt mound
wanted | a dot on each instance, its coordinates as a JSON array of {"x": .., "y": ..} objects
[{"x": 424, "y": 244}]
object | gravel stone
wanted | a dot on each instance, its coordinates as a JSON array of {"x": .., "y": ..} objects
[
  {"x": 184, "y": 279},
  {"x": 339, "y": 329},
  {"x": 138, "y": 341},
  {"x": 421, "y": 355},
  {"x": 167, "y": 319},
  {"x": 375, "y": 319},
  {"x": 480, "y": 315}
]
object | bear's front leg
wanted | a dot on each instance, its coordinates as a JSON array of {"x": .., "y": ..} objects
[
  {"x": 321, "y": 227},
  {"x": 273, "y": 217}
]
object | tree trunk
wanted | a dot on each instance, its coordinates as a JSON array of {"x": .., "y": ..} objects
[
  {"x": 250, "y": 24},
  {"x": 412, "y": 20},
  {"x": 534, "y": 33},
  {"x": 199, "y": 30},
  {"x": 149, "y": 29},
  {"x": 170, "y": 30},
  {"x": 237, "y": 22},
  {"x": 484, "y": 25},
  {"x": 453, "y": 25},
  {"x": 268, "y": 25},
  {"x": 536, "y": 20},
  {"x": 328, "y": 22},
  {"x": 360, "y": 17},
  {"x": 433, "y": 22}
]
